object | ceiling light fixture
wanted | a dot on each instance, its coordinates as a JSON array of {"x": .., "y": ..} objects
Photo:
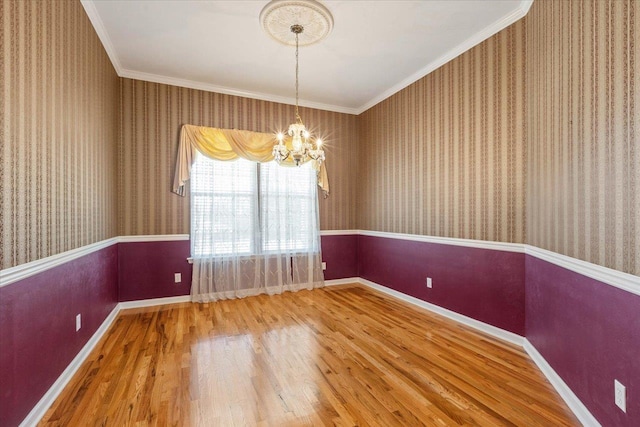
[{"x": 309, "y": 22}]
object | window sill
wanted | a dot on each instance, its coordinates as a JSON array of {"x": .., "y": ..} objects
[{"x": 259, "y": 256}]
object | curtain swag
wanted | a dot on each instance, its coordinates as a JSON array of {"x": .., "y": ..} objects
[{"x": 229, "y": 144}]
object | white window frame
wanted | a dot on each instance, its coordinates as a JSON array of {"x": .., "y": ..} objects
[{"x": 258, "y": 243}]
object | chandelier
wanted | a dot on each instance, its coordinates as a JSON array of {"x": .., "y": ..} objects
[{"x": 298, "y": 16}]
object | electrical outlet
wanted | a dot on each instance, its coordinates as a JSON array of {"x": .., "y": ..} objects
[
  {"x": 429, "y": 283},
  {"x": 621, "y": 395},
  {"x": 177, "y": 277},
  {"x": 324, "y": 265},
  {"x": 78, "y": 322}
]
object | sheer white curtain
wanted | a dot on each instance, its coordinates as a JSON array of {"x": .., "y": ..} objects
[{"x": 254, "y": 229}]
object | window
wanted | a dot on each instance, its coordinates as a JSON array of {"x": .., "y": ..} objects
[{"x": 246, "y": 208}]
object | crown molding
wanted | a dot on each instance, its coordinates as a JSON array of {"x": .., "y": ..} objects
[
  {"x": 94, "y": 17},
  {"x": 103, "y": 35},
  {"x": 191, "y": 84},
  {"x": 458, "y": 50}
]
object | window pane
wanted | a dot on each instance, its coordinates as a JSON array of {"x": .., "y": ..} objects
[
  {"x": 231, "y": 214},
  {"x": 223, "y": 207},
  {"x": 287, "y": 207}
]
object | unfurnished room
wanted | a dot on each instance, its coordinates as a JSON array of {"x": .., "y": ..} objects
[{"x": 320, "y": 213}]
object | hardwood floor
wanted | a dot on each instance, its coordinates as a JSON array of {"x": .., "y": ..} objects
[{"x": 335, "y": 356}]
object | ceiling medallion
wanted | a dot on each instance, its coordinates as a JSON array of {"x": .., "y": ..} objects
[
  {"x": 278, "y": 16},
  {"x": 298, "y": 20}
]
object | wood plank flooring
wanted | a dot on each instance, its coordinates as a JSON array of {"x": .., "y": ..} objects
[{"x": 340, "y": 356}]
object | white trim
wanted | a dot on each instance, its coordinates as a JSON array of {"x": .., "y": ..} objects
[
  {"x": 481, "y": 244},
  {"x": 103, "y": 35},
  {"x": 174, "y": 81},
  {"x": 615, "y": 278},
  {"x": 20, "y": 272},
  {"x": 43, "y": 405},
  {"x": 476, "y": 324},
  {"x": 347, "y": 281},
  {"x": 125, "y": 305},
  {"x": 618, "y": 279},
  {"x": 339, "y": 232},
  {"x": 569, "y": 397},
  {"x": 45, "y": 402},
  {"x": 458, "y": 50},
  {"x": 244, "y": 293},
  {"x": 153, "y": 238}
]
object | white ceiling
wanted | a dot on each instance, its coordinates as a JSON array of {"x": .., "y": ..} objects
[{"x": 375, "y": 49}]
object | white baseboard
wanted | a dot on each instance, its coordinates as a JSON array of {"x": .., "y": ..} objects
[
  {"x": 54, "y": 391},
  {"x": 476, "y": 324},
  {"x": 335, "y": 282},
  {"x": 569, "y": 397},
  {"x": 51, "y": 395},
  {"x": 153, "y": 302},
  {"x": 572, "y": 401}
]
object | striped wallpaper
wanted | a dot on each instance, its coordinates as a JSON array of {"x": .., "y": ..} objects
[
  {"x": 151, "y": 116},
  {"x": 446, "y": 155},
  {"x": 58, "y": 109},
  {"x": 584, "y": 129},
  {"x": 531, "y": 136}
]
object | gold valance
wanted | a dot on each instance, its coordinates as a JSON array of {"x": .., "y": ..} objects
[{"x": 228, "y": 144}]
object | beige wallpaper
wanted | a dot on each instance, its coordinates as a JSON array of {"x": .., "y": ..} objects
[
  {"x": 58, "y": 112},
  {"x": 446, "y": 156},
  {"x": 584, "y": 151},
  {"x": 151, "y": 116},
  {"x": 531, "y": 136}
]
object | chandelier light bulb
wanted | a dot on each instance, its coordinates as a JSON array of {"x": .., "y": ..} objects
[{"x": 297, "y": 143}]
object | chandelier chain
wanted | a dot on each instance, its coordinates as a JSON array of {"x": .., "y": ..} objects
[
  {"x": 301, "y": 139},
  {"x": 297, "y": 83}
]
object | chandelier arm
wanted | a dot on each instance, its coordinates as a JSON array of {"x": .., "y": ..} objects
[{"x": 302, "y": 149}]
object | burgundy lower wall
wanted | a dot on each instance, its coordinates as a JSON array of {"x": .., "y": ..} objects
[
  {"x": 146, "y": 269},
  {"x": 589, "y": 332},
  {"x": 486, "y": 285},
  {"x": 38, "y": 339},
  {"x": 341, "y": 255}
]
